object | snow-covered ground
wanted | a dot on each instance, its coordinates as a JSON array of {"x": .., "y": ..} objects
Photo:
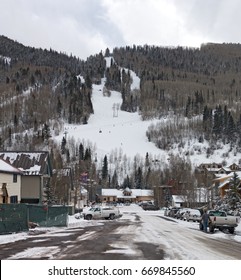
[{"x": 111, "y": 130}]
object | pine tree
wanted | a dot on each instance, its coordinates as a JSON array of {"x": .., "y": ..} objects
[
  {"x": 35, "y": 125},
  {"x": 187, "y": 111},
  {"x": 127, "y": 183},
  {"x": 225, "y": 119},
  {"x": 148, "y": 178},
  {"x": 147, "y": 161},
  {"x": 114, "y": 180},
  {"x": 138, "y": 178},
  {"x": 59, "y": 107},
  {"x": 81, "y": 152},
  {"x": 88, "y": 81},
  {"x": 231, "y": 127},
  {"x": 87, "y": 155},
  {"x": 107, "y": 52},
  {"x": 233, "y": 194},
  {"x": 46, "y": 132},
  {"x": 67, "y": 156},
  {"x": 15, "y": 120},
  {"x": 9, "y": 137},
  {"x": 105, "y": 168},
  {"x": 63, "y": 144},
  {"x": 49, "y": 198},
  {"x": 207, "y": 119},
  {"x": 218, "y": 121}
]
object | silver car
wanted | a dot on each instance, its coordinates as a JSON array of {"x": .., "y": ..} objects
[{"x": 193, "y": 215}]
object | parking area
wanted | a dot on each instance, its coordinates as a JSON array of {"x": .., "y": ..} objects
[{"x": 185, "y": 214}]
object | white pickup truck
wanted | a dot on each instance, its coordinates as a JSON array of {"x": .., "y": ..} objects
[
  {"x": 102, "y": 212},
  {"x": 221, "y": 221}
]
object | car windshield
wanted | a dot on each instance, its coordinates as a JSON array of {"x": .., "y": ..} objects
[
  {"x": 94, "y": 209},
  {"x": 218, "y": 213}
]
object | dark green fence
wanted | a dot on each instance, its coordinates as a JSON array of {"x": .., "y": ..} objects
[
  {"x": 13, "y": 218},
  {"x": 48, "y": 216},
  {"x": 16, "y": 217}
]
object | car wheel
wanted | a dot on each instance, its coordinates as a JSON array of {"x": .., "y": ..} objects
[
  {"x": 88, "y": 217},
  {"x": 211, "y": 228},
  {"x": 231, "y": 230},
  {"x": 112, "y": 216}
]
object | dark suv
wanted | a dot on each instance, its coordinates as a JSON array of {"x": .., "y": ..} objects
[{"x": 147, "y": 206}]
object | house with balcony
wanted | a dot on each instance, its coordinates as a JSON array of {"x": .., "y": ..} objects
[{"x": 221, "y": 184}]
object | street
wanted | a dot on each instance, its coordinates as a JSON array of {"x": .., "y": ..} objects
[{"x": 137, "y": 235}]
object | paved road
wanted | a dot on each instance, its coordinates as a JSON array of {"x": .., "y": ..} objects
[
  {"x": 136, "y": 236},
  {"x": 89, "y": 243}
]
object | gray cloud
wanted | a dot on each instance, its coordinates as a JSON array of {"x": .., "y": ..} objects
[
  {"x": 85, "y": 27},
  {"x": 214, "y": 21},
  {"x": 78, "y": 27}
]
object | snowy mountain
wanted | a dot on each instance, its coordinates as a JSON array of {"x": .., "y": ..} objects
[
  {"x": 122, "y": 135},
  {"x": 110, "y": 131}
]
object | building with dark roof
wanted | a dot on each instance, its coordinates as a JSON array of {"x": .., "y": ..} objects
[{"x": 36, "y": 171}]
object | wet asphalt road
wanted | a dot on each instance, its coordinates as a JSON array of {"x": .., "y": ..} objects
[{"x": 138, "y": 237}]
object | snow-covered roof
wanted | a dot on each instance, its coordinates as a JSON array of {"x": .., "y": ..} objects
[
  {"x": 30, "y": 163},
  {"x": 8, "y": 168},
  {"x": 224, "y": 183},
  {"x": 228, "y": 176},
  {"x": 179, "y": 198},
  {"x": 217, "y": 170},
  {"x": 221, "y": 176},
  {"x": 120, "y": 193},
  {"x": 225, "y": 178},
  {"x": 227, "y": 169}
]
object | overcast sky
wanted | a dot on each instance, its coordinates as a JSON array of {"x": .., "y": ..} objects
[{"x": 85, "y": 27}]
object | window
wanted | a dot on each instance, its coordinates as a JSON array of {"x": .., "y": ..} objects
[
  {"x": 14, "y": 199},
  {"x": 15, "y": 178}
]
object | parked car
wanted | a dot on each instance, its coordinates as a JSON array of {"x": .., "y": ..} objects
[
  {"x": 102, "y": 212},
  {"x": 141, "y": 203},
  {"x": 193, "y": 215},
  {"x": 220, "y": 220},
  {"x": 180, "y": 213},
  {"x": 150, "y": 207},
  {"x": 172, "y": 212}
]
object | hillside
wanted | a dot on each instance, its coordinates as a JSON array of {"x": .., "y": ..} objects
[
  {"x": 139, "y": 116},
  {"x": 123, "y": 137}
]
